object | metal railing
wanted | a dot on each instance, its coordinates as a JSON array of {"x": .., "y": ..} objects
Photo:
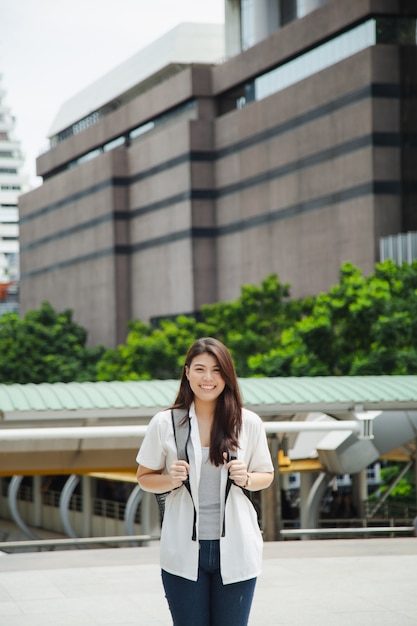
[
  {"x": 143, "y": 540},
  {"x": 290, "y": 533},
  {"x": 81, "y": 542}
]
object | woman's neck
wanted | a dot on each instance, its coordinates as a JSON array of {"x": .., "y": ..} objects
[
  {"x": 205, "y": 417},
  {"x": 204, "y": 410}
]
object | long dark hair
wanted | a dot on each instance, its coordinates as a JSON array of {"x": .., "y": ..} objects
[{"x": 228, "y": 413}]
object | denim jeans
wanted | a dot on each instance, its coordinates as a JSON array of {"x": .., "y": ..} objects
[{"x": 207, "y": 602}]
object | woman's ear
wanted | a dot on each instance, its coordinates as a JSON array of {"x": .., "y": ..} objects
[{"x": 187, "y": 370}]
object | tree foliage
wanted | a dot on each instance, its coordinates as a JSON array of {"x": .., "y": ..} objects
[
  {"x": 255, "y": 321},
  {"x": 361, "y": 326},
  {"x": 149, "y": 353},
  {"x": 252, "y": 322},
  {"x": 45, "y": 346},
  {"x": 404, "y": 490}
]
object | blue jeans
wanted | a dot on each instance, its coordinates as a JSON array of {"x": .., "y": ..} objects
[{"x": 207, "y": 602}]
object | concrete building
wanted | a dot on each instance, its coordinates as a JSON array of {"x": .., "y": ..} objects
[
  {"x": 292, "y": 156},
  {"x": 12, "y": 183}
]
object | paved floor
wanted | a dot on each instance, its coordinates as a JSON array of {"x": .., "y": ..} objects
[{"x": 352, "y": 582}]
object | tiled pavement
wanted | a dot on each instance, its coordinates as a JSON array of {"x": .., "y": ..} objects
[{"x": 349, "y": 582}]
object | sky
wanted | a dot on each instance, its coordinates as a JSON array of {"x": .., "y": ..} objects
[{"x": 52, "y": 49}]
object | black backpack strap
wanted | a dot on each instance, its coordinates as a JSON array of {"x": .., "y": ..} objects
[
  {"x": 229, "y": 483},
  {"x": 231, "y": 457},
  {"x": 181, "y": 425}
]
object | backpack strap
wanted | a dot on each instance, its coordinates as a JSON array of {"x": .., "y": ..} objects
[
  {"x": 181, "y": 425},
  {"x": 182, "y": 431},
  {"x": 231, "y": 456},
  {"x": 229, "y": 483}
]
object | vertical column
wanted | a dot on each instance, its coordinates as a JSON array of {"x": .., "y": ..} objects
[
  {"x": 86, "y": 506},
  {"x": 265, "y": 19},
  {"x": 360, "y": 491},
  {"x": 306, "y": 482},
  {"x": 37, "y": 501},
  {"x": 232, "y": 25},
  {"x": 270, "y": 498}
]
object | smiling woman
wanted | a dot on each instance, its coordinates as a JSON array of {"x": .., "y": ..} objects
[
  {"x": 206, "y": 383},
  {"x": 209, "y": 565}
]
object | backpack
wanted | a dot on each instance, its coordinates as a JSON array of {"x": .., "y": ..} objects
[
  {"x": 181, "y": 425},
  {"x": 182, "y": 429}
]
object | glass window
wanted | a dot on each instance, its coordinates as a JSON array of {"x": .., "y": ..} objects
[
  {"x": 315, "y": 60},
  {"x": 395, "y": 31},
  {"x": 248, "y": 35}
]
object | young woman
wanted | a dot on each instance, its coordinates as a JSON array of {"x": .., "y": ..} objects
[{"x": 209, "y": 575}]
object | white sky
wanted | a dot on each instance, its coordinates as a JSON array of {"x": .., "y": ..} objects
[{"x": 51, "y": 49}]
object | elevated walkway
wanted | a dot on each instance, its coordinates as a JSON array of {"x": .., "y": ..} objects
[
  {"x": 390, "y": 402},
  {"x": 321, "y": 426}
]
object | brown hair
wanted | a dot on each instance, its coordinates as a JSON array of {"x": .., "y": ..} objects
[{"x": 228, "y": 413}]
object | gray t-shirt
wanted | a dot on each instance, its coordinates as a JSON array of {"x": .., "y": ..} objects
[{"x": 209, "y": 499}]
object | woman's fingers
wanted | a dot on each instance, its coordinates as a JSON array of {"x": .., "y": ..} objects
[
  {"x": 179, "y": 471},
  {"x": 238, "y": 472}
]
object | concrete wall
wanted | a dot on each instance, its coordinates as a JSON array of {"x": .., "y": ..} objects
[
  {"x": 217, "y": 196},
  {"x": 296, "y": 185}
]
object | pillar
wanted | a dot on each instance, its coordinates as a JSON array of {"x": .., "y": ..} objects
[
  {"x": 265, "y": 19},
  {"x": 306, "y": 483},
  {"x": 37, "y": 501},
  {"x": 271, "y": 497},
  {"x": 360, "y": 491},
  {"x": 87, "y": 507},
  {"x": 232, "y": 28}
]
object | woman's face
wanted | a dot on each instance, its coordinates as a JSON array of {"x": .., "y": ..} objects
[{"x": 205, "y": 379}]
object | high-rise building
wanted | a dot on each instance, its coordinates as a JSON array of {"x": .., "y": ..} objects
[
  {"x": 293, "y": 155},
  {"x": 12, "y": 183}
]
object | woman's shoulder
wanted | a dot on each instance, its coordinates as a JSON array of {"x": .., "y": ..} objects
[
  {"x": 161, "y": 418},
  {"x": 250, "y": 417}
]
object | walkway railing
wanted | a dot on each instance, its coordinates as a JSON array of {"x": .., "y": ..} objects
[
  {"x": 40, "y": 544},
  {"x": 338, "y": 532},
  {"x": 141, "y": 540}
]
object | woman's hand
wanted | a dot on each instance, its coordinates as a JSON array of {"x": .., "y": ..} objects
[
  {"x": 238, "y": 472},
  {"x": 179, "y": 472}
]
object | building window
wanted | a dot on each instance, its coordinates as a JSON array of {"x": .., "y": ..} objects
[
  {"x": 370, "y": 33},
  {"x": 402, "y": 248}
]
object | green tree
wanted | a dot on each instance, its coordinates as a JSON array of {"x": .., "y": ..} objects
[
  {"x": 404, "y": 491},
  {"x": 149, "y": 353},
  {"x": 255, "y": 321},
  {"x": 362, "y": 326},
  {"x": 251, "y": 323},
  {"x": 45, "y": 346}
]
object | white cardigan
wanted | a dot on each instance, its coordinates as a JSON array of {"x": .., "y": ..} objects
[{"x": 241, "y": 546}]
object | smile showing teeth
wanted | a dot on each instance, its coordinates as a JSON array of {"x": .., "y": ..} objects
[{"x": 207, "y": 386}]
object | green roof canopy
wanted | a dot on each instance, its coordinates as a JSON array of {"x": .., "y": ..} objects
[{"x": 267, "y": 396}]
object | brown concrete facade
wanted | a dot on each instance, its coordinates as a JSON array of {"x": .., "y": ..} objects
[{"x": 216, "y": 196}]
